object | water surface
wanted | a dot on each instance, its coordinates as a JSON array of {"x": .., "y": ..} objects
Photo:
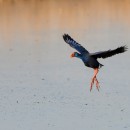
[{"x": 40, "y": 86}]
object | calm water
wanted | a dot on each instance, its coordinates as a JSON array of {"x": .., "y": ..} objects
[
  {"x": 34, "y": 59},
  {"x": 32, "y": 30}
]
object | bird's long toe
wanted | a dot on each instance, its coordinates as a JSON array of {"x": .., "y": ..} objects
[
  {"x": 97, "y": 84},
  {"x": 91, "y": 86}
]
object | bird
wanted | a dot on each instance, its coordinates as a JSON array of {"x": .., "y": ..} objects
[{"x": 90, "y": 59}]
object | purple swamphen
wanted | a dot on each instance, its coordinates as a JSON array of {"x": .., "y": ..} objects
[{"x": 90, "y": 59}]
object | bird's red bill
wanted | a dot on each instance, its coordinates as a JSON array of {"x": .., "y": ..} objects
[{"x": 72, "y": 55}]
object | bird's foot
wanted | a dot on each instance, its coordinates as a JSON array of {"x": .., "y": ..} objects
[
  {"x": 92, "y": 82},
  {"x": 90, "y": 89},
  {"x": 97, "y": 88},
  {"x": 97, "y": 85}
]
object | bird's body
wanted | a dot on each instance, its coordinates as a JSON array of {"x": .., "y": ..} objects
[{"x": 90, "y": 59}]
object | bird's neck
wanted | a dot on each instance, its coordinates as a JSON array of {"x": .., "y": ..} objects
[{"x": 78, "y": 55}]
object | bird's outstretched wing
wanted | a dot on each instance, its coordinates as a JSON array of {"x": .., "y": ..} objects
[
  {"x": 109, "y": 53},
  {"x": 74, "y": 44}
]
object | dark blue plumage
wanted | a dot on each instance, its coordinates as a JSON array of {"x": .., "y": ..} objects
[
  {"x": 74, "y": 44},
  {"x": 90, "y": 59}
]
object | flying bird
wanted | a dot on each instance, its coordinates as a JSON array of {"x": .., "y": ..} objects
[{"x": 90, "y": 59}]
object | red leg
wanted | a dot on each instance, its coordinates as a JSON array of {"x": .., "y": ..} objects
[
  {"x": 92, "y": 82},
  {"x": 94, "y": 78},
  {"x": 97, "y": 83}
]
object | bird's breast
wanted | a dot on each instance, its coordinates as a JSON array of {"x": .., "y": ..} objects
[
  {"x": 85, "y": 58},
  {"x": 90, "y": 62}
]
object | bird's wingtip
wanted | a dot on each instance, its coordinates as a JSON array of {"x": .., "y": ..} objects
[
  {"x": 125, "y": 47},
  {"x": 64, "y": 35}
]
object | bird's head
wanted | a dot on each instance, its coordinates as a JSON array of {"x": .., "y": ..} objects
[{"x": 74, "y": 54}]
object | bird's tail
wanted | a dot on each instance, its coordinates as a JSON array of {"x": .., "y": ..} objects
[{"x": 100, "y": 65}]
